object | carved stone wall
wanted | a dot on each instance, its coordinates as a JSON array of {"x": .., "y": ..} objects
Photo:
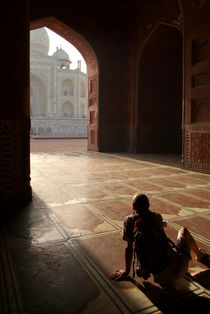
[
  {"x": 14, "y": 162},
  {"x": 197, "y": 85},
  {"x": 52, "y": 127},
  {"x": 197, "y": 147},
  {"x": 93, "y": 112}
]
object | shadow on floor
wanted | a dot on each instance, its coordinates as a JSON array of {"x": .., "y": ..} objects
[{"x": 163, "y": 298}]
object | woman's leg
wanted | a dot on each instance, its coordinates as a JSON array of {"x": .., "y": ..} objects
[{"x": 199, "y": 252}]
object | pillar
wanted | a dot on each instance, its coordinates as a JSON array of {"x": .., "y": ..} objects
[{"x": 15, "y": 188}]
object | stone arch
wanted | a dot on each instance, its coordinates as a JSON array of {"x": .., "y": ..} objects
[
  {"x": 38, "y": 95},
  {"x": 68, "y": 87},
  {"x": 67, "y": 109},
  {"x": 92, "y": 67},
  {"x": 159, "y": 92}
]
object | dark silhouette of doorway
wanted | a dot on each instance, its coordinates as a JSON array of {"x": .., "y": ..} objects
[{"x": 159, "y": 107}]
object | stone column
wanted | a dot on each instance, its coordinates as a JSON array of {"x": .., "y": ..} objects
[{"x": 15, "y": 188}]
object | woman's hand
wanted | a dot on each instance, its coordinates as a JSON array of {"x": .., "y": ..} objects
[{"x": 119, "y": 274}]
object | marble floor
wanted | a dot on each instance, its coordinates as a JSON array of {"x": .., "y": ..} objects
[{"x": 57, "y": 253}]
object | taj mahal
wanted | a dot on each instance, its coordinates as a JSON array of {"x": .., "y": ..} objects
[{"x": 58, "y": 94}]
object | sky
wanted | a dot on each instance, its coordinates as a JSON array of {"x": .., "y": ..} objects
[{"x": 74, "y": 55}]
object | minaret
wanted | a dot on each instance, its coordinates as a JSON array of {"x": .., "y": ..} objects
[{"x": 79, "y": 64}]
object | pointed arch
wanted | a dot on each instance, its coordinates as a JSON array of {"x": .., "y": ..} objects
[
  {"x": 159, "y": 92},
  {"x": 80, "y": 43},
  {"x": 67, "y": 109},
  {"x": 68, "y": 87}
]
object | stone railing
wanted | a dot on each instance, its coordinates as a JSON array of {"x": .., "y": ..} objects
[{"x": 58, "y": 127}]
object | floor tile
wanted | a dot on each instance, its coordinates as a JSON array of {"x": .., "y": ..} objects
[
  {"x": 199, "y": 225},
  {"x": 203, "y": 194},
  {"x": 186, "y": 201},
  {"x": 65, "y": 286},
  {"x": 144, "y": 186},
  {"x": 119, "y": 189},
  {"x": 191, "y": 180},
  {"x": 87, "y": 192},
  {"x": 78, "y": 220},
  {"x": 116, "y": 210},
  {"x": 30, "y": 227},
  {"x": 166, "y": 209},
  {"x": 107, "y": 252},
  {"x": 56, "y": 254},
  {"x": 168, "y": 183}
]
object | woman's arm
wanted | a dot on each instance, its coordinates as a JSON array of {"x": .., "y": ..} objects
[{"x": 120, "y": 274}]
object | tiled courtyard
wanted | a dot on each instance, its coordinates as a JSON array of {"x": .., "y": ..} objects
[{"x": 58, "y": 252}]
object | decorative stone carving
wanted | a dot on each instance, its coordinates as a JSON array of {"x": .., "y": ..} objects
[
  {"x": 14, "y": 161},
  {"x": 197, "y": 148},
  {"x": 92, "y": 102},
  {"x": 47, "y": 127},
  {"x": 200, "y": 150},
  {"x": 93, "y": 86}
]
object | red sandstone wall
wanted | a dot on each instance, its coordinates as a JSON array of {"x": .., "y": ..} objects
[
  {"x": 197, "y": 85},
  {"x": 117, "y": 33},
  {"x": 155, "y": 77},
  {"x": 103, "y": 31},
  {"x": 14, "y": 109},
  {"x": 159, "y": 92}
]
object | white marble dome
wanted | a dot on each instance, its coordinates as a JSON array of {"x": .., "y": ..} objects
[
  {"x": 60, "y": 54},
  {"x": 39, "y": 41}
]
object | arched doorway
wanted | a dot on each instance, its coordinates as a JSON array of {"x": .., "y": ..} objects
[
  {"x": 159, "y": 104},
  {"x": 92, "y": 67}
]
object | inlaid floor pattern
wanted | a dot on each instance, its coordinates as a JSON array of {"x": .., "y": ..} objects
[{"x": 58, "y": 252}]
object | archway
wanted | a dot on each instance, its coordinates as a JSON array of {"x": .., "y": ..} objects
[
  {"x": 159, "y": 105},
  {"x": 67, "y": 88},
  {"x": 93, "y": 72},
  {"x": 67, "y": 108}
]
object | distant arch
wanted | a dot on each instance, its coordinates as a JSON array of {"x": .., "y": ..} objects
[
  {"x": 67, "y": 109},
  {"x": 90, "y": 58},
  {"x": 68, "y": 87}
]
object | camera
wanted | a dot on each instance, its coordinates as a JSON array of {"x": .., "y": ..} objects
[{"x": 142, "y": 273}]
